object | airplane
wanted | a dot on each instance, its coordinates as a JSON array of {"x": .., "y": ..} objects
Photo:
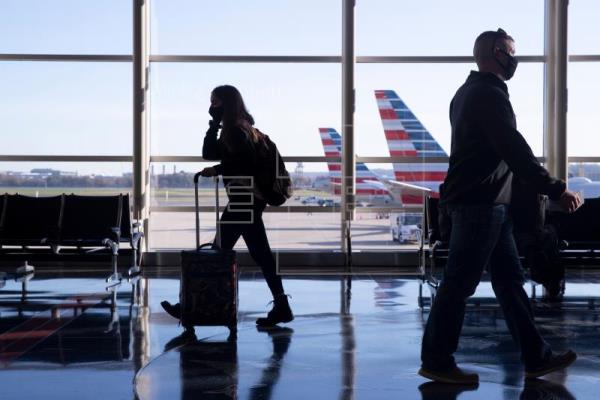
[
  {"x": 586, "y": 187},
  {"x": 369, "y": 189},
  {"x": 407, "y": 137}
]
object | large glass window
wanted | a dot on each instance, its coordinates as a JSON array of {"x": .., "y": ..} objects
[
  {"x": 583, "y": 117},
  {"x": 444, "y": 28},
  {"x": 172, "y": 186},
  {"x": 427, "y": 89},
  {"x": 288, "y": 101},
  {"x": 258, "y": 27},
  {"x": 42, "y": 178},
  {"x": 584, "y": 29},
  {"x": 66, "y": 108},
  {"x": 66, "y": 27}
]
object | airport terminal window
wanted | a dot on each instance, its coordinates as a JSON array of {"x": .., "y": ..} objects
[
  {"x": 286, "y": 231},
  {"x": 66, "y": 108},
  {"x": 53, "y": 178},
  {"x": 583, "y": 26},
  {"x": 65, "y": 27},
  {"x": 426, "y": 90},
  {"x": 260, "y": 27},
  {"x": 422, "y": 94},
  {"x": 171, "y": 186},
  {"x": 289, "y": 102},
  {"x": 583, "y": 118},
  {"x": 444, "y": 28}
]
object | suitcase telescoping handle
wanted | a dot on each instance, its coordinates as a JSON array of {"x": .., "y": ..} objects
[{"x": 218, "y": 235}]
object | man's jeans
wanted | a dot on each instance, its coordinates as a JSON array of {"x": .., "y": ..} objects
[{"x": 481, "y": 235}]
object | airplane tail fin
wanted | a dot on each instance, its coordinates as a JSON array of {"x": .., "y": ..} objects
[
  {"x": 407, "y": 137},
  {"x": 365, "y": 178}
]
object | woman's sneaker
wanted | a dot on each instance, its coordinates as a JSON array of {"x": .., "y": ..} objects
[{"x": 281, "y": 312}]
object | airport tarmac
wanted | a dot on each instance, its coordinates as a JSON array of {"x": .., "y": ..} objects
[{"x": 286, "y": 231}]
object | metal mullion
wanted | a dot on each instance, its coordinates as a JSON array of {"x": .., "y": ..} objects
[
  {"x": 434, "y": 59},
  {"x": 309, "y": 159},
  {"x": 584, "y": 58},
  {"x": 400, "y": 159},
  {"x": 140, "y": 88},
  {"x": 293, "y": 209},
  {"x": 65, "y": 158},
  {"x": 583, "y": 159},
  {"x": 348, "y": 169},
  {"x": 67, "y": 57},
  {"x": 328, "y": 59},
  {"x": 280, "y": 209},
  {"x": 244, "y": 59}
]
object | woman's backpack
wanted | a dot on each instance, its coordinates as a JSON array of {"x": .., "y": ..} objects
[{"x": 272, "y": 178}]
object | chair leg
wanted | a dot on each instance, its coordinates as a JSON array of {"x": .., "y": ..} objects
[
  {"x": 135, "y": 268},
  {"x": 116, "y": 277}
]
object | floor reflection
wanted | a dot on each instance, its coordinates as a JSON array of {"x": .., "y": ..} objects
[
  {"x": 352, "y": 339},
  {"x": 281, "y": 338}
]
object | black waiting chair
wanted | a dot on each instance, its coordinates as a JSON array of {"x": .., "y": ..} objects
[
  {"x": 91, "y": 222},
  {"x": 580, "y": 232},
  {"x": 30, "y": 221}
]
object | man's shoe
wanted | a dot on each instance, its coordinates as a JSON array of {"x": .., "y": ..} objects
[
  {"x": 281, "y": 312},
  {"x": 174, "y": 310},
  {"x": 455, "y": 375},
  {"x": 554, "y": 363}
]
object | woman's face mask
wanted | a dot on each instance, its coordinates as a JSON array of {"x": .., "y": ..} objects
[{"x": 216, "y": 113}]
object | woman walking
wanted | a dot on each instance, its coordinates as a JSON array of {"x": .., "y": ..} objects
[{"x": 236, "y": 148}]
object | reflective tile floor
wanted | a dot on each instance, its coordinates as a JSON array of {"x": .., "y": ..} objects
[{"x": 63, "y": 335}]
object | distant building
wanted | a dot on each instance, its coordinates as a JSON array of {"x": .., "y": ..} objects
[{"x": 41, "y": 172}]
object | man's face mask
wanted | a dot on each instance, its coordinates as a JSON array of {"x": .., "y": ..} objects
[
  {"x": 216, "y": 113},
  {"x": 511, "y": 65},
  {"x": 511, "y": 61}
]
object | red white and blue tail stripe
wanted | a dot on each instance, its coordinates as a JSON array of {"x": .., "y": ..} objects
[
  {"x": 407, "y": 137},
  {"x": 367, "y": 183}
]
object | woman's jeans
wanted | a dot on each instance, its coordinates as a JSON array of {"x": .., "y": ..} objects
[
  {"x": 481, "y": 235},
  {"x": 245, "y": 219}
]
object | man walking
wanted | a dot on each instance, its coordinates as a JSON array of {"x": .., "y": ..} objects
[{"x": 486, "y": 150}]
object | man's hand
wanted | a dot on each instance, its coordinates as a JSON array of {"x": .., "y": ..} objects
[
  {"x": 570, "y": 200},
  {"x": 210, "y": 171}
]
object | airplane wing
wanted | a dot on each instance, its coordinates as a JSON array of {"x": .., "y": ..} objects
[{"x": 408, "y": 186}]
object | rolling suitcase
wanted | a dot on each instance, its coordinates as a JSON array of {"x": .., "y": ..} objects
[{"x": 209, "y": 281}]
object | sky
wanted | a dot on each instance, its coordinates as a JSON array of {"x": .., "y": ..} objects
[{"x": 86, "y": 108}]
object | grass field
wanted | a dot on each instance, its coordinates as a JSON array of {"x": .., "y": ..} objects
[{"x": 163, "y": 197}]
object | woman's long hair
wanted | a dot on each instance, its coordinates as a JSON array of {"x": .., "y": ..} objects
[{"x": 235, "y": 113}]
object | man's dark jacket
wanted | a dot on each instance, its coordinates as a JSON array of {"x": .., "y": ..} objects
[{"x": 487, "y": 148}]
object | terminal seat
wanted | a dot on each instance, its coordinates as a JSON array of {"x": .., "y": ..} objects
[
  {"x": 29, "y": 221},
  {"x": 580, "y": 232},
  {"x": 91, "y": 221}
]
